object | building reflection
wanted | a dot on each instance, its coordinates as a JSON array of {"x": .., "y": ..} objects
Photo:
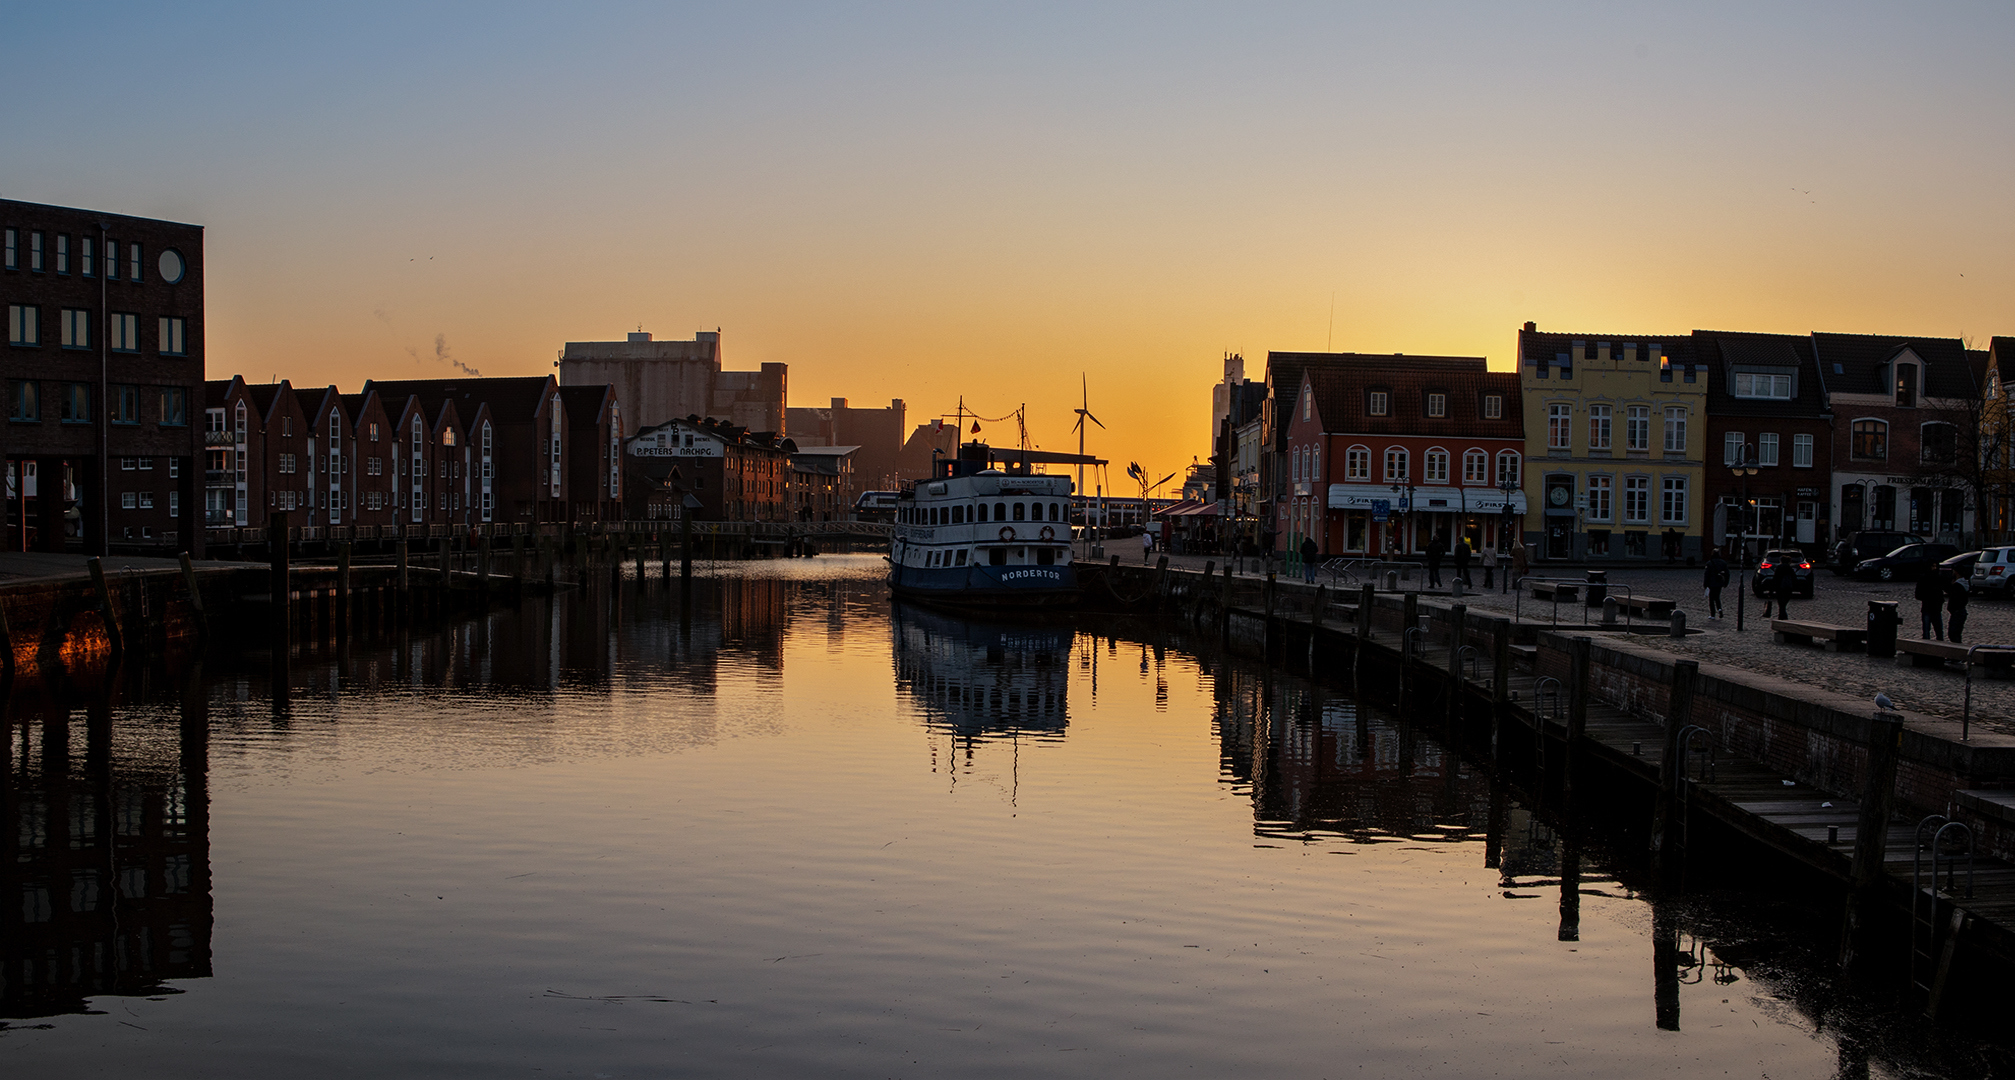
[
  {"x": 980, "y": 680},
  {"x": 104, "y": 853},
  {"x": 1315, "y": 762}
]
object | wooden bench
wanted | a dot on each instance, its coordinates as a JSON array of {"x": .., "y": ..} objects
[
  {"x": 1999, "y": 662},
  {"x": 1649, "y": 607},
  {"x": 1565, "y": 592},
  {"x": 1835, "y": 638}
]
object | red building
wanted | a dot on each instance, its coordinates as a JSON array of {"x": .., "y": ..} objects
[
  {"x": 1385, "y": 452},
  {"x": 1766, "y": 399}
]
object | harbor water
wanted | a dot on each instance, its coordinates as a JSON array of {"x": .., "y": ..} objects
[{"x": 781, "y": 827}]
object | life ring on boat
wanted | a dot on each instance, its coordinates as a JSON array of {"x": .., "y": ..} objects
[
  {"x": 1007, "y": 532},
  {"x": 1048, "y": 533}
]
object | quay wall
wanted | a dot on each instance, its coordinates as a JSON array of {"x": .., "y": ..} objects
[{"x": 1815, "y": 736}]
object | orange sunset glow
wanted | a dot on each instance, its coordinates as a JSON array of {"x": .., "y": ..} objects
[{"x": 984, "y": 204}]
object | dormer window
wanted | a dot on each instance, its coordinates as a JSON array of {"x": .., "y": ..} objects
[
  {"x": 1437, "y": 404},
  {"x": 1493, "y": 406},
  {"x": 1377, "y": 403},
  {"x": 1307, "y": 402},
  {"x": 1761, "y": 384},
  {"x": 1906, "y": 386}
]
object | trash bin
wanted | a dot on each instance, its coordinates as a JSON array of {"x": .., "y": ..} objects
[
  {"x": 1882, "y": 623},
  {"x": 1598, "y": 587}
]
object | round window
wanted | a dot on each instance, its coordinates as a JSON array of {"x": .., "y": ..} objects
[{"x": 171, "y": 266}]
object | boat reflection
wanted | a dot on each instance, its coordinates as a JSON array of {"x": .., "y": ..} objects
[
  {"x": 980, "y": 680},
  {"x": 104, "y": 862}
]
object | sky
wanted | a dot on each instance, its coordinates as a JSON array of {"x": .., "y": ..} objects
[{"x": 995, "y": 202}]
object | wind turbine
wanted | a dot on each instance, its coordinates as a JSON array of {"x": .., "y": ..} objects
[{"x": 1083, "y": 412}]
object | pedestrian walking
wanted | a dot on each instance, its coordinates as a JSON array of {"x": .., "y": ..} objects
[
  {"x": 1520, "y": 562},
  {"x": 1715, "y": 580},
  {"x": 1146, "y": 546},
  {"x": 1489, "y": 564},
  {"x": 1930, "y": 604},
  {"x": 1436, "y": 548},
  {"x": 1462, "y": 557},
  {"x": 1783, "y": 582},
  {"x": 1956, "y": 596},
  {"x": 1309, "y": 554}
]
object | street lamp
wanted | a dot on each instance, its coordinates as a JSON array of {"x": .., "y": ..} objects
[
  {"x": 1745, "y": 467},
  {"x": 1506, "y": 485},
  {"x": 1405, "y": 503}
]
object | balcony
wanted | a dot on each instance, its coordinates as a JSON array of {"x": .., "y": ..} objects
[{"x": 219, "y": 438}]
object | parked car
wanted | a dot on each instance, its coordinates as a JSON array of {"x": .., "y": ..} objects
[
  {"x": 1961, "y": 564},
  {"x": 1994, "y": 571},
  {"x": 1767, "y": 569},
  {"x": 1869, "y": 544},
  {"x": 1907, "y": 563}
]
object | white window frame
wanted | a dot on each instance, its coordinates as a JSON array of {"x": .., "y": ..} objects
[
  {"x": 1475, "y": 466},
  {"x": 1667, "y": 486},
  {"x": 1437, "y": 466},
  {"x": 1559, "y": 426},
  {"x": 1637, "y": 499},
  {"x": 1510, "y": 468},
  {"x": 1766, "y": 448},
  {"x": 1801, "y": 451},
  {"x": 1396, "y": 464},
  {"x": 1437, "y": 405},
  {"x": 1601, "y": 489},
  {"x": 1599, "y": 429},
  {"x": 1357, "y": 464},
  {"x": 1493, "y": 406},
  {"x": 1378, "y": 403},
  {"x": 1675, "y": 429},
  {"x": 1731, "y": 447},
  {"x": 1637, "y": 428}
]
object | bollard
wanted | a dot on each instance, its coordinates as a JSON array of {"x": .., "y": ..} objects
[
  {"x": 1455, "y": 587},
  {"x": 1392, "y": 581},
  {"x": 1678, "y": 624},
  {"x": 1871, "y": 839},
  {"x": 1609, "y": 611}
]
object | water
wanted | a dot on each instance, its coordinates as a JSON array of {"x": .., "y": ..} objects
[{"x": 804, "y": 834}]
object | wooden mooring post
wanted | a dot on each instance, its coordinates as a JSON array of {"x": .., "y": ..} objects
[
  {"x": 1577, "y": 717},
  {"x": 1500, "y": 682},
  {"x": 106, "y": 611},
  {"x": 1367, "y": 600},
  {"x": 195, "y": 607},
  {"x": 343, "y": 590},
  {"x": 1458, "y": 615},
  {"x": 402, "y": 582},
  {"x": 1871, "y": 842}
]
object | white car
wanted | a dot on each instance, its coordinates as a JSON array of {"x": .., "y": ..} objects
[{"x": 1995, "y": 571}]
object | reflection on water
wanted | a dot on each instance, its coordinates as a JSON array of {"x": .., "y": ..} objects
[
  {"x": 104, "y": 855},
  {"x": 778, "y": 827},
  {"x": 976, "y": 679}
]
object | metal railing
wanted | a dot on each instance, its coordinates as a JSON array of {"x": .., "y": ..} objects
[
  {"x": 1362, "y": 571},
  {"x": 1518, "y": 599}
]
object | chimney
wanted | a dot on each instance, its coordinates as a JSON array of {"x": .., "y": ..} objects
[
  {"x": 839, "y": 403},
  {"x": 1531, "y": 327}
]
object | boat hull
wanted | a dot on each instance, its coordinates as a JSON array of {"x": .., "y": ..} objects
[{"x": 987, "y": 586}]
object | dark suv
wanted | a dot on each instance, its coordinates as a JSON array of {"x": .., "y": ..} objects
[
  {"x": 1766, "y": 571},
  {"x": 1868, "y": 544}
]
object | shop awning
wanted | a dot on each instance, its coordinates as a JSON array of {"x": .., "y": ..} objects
[{"x": 1433, "y": 500}]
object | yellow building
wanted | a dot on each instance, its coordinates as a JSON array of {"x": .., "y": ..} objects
[{"x": 1615, "y": 437}]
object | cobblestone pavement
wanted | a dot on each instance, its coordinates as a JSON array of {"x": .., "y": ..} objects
[{"x": 1927, "y": 691}]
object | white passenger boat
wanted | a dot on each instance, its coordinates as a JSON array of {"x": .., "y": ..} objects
[{"x": 978, "y": 535}]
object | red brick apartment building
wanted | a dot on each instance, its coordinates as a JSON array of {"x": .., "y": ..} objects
[
  {"x": 1383, "y": 453},
  {"x": 736, "y": 474},
  {"x": 1766, "y": 399},
  {"x": 1899, "y": 405},
  {"x": 102, "y": 368},
  {"x": 594, "y": 453},
  {"x": 515, "y": 467}
]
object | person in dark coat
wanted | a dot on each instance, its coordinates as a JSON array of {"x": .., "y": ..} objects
[
  {"x": 1930, "y": 603},
  {"x": 1309, "y": 555},
  {"x": 1783, "y": 582},
  {"x": 1715, "y": 580},
  {"x": 1436, "y": 548},
  {"x": 1462, "y": 554},
  {"x": 1956, "y": 596}
]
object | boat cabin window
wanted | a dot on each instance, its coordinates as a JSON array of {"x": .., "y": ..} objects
[
  {"x": 1045, "y": 557},
  {"x": 961, "y": 560},
  {"x": 1000, "y": 511},
  {"x": 1018, "y": 511},
  {"x": 983, "y": 512},
  {"x": 958, "y": 515},
  {"x": 1054, "y": 509},
  {"x": 996, "y": 556}
]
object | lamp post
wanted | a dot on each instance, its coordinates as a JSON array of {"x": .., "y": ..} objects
[
  {"x": 1405, "y": 503},
  {"x": 1744, "y": 468}
]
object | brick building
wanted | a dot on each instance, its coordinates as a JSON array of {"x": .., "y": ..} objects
[
  {"x": 736, "y": 474},
  {"x": 1766, "y": 399},
  {"x": 1384, "y": 453},
  {"x": 1899, "y": 405},
  {"x": 515, "y": 468},
  {"x": 103, "y": 368},
  {"x": 594, "y": 453},
  {"x": 822, "y": 482},
  {"x": 257, "y": 453},
  {"x": 372, "y": 496}
]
